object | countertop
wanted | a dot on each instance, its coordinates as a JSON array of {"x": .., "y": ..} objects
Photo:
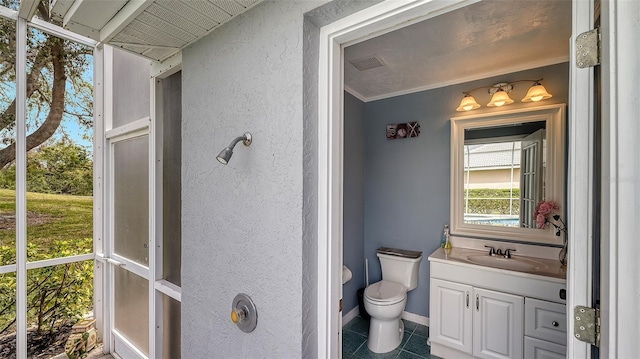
[{"x": 548, "y": 269}]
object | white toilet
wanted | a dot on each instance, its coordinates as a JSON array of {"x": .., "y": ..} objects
[{"x": 385, "y": 300}]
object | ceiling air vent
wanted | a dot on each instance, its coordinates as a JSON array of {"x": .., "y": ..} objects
[{"x": 367, "y": 63}]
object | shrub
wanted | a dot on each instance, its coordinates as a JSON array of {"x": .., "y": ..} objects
[
  {"x": 56, "y": 295},
  {"x": 59, "y": 168},
  {"x": 493, "y": 201}
]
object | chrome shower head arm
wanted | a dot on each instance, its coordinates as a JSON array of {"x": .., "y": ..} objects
[{"x": 246, "y": 140}]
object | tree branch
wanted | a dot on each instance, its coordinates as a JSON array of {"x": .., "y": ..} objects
[
  {"x": 8, "y": 116},
  {"x": 56, "y": 109}
]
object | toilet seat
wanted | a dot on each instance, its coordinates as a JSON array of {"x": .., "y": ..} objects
[{"x": 385, "y": 293}]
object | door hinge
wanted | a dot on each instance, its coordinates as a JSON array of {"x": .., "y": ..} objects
[
  {"x": 340, "y": 305},
  {"x": 586, "y": 324},
  {"x": 588, "y": 48}
]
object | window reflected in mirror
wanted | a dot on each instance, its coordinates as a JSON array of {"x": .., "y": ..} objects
[
  {"x": 503, "y": 174},
  {"x": 502, "y": 165}
]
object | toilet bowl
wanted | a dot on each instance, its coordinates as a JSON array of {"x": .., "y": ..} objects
[{"x": 385, "y": 300}]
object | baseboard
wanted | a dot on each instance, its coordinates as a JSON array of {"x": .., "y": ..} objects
[
  {"x": 350, "y": 315},
  {"x": 415, "y": 318},
  {"x": 405, "y": 315}
]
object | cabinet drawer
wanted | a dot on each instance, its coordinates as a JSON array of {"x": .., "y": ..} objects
[
  {"x": 545, "y": 320},
  {"x": 539, "y": 349}
]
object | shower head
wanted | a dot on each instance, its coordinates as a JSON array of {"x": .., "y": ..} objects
[{"x": 225, "y": 155}]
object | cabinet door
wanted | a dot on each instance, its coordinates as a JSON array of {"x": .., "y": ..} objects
[
  {"x": 497, "y": 324},
  {"x": 450, "y": 315},
  {"x": 540, "y": 349}
]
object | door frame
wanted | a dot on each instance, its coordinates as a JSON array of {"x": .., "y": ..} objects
[
  {"x": 620, "y": 287},
  {"x": 385, "y": 17}
]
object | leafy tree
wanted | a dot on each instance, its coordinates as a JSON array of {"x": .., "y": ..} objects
[
  {"x": 59, "y": 168},
  {"x": 55, "y": 68}
]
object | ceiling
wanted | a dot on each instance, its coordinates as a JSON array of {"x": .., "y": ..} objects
[
  {"x": 156, "y": 29},
  {"x": 485, "y": 39}
]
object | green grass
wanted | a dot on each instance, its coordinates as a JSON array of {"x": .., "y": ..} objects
[{"x": 54, "y": 222}]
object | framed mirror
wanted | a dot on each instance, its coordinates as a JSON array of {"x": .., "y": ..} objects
[{"x": 502, "y": 165}]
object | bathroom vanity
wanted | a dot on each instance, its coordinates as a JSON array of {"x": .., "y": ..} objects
[{"x": 484, "y": 306}]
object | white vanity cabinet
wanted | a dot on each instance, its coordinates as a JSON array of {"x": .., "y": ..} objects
[
  {"x": 545, "y": 328},
  {"x": 476, "y": 321},
  {"x": 482, "y": 312}
]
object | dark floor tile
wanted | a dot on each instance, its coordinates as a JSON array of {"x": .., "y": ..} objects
[
  {"x": 408, "y": 355},
  {"x": 358, "y": 325},
  {"x": 422, "y": 331},
  {"x": 409, "y": 326},
  {"x": 351, "y": 341},
  {"x": 417, "y": 345},
  {"x": 365, "y": 353},
  {"x": 405, "y": 339}
]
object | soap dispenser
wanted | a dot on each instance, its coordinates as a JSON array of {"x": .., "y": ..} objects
[{"x": 444, "y": 239}]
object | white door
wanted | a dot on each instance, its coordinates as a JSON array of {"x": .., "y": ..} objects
[
  {"x": 451, "y": 315},
  {"x": 129, "y": 262},
  {"x": 497, "y": 324}
]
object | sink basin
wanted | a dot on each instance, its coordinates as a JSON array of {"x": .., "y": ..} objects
[{"x": 516, "y": 264}]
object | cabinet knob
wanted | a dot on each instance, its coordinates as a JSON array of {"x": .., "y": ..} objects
[{"x": 555, "y": 324}]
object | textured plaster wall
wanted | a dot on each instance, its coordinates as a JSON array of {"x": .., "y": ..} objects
[
  {"x": 407, "y": 181},
  {"x": 242, "y": 223},
  {"x": 354, "y": 178},
  {"x": 251, "y": 226}
]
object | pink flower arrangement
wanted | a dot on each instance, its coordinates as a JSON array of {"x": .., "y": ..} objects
[
  {"x": 543, "y": 209},
  {"x": 541, "y": 216}
]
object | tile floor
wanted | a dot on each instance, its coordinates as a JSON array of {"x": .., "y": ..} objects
[{"x": 413, "y": 345}]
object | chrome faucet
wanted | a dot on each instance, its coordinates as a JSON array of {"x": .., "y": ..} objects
[
  {"x": 492, "y": 251},
  {"x": 507, "y": 252}
]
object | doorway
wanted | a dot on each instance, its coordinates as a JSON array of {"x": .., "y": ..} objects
[{"x": 364, "y": 25}]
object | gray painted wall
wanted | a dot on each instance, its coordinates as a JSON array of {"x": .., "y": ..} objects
[
  {"x": 354, "y": 180},
  {"x": 251, "y": 226},
  {"x": 407, "y": 181}
]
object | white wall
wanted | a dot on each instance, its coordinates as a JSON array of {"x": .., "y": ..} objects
[{"x": 250, "y": 226}]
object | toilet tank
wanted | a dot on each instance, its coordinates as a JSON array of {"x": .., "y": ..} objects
[{"x": 399, "y": 269}]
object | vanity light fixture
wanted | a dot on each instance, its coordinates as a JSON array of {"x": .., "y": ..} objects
[
  {"x": 225, "y": 155},
  {"x": 500, "y": 95},
  {"x": 468, "y": 103},
  {"x": 536, "y": 93}
]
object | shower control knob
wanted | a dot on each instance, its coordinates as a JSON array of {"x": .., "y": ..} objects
[
  {"x": 244, "y": 313},
  {"x": 237, "y": 315}
]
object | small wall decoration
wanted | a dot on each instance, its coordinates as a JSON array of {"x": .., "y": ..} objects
[{"x": 403, "y": 130}]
